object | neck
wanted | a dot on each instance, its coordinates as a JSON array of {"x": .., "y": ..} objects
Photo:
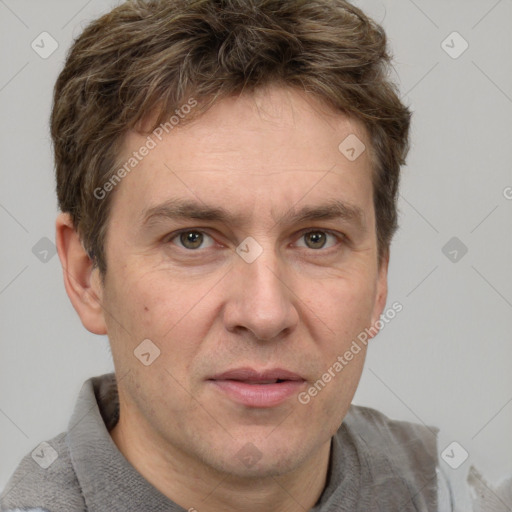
[{"x": 199, "y": 488}]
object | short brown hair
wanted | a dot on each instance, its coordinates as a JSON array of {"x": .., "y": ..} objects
[{"x": 149, "y": 56}]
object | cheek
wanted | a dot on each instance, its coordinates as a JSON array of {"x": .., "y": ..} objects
[
  {"x": 151, "y": 305},
  {"x": 345, "y": 304},
  {"x": 174, "y": 315},
  {"x": 336, "y": 405}
]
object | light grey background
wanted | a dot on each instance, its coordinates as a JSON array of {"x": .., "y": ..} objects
[{"x": 444, "y": 360}]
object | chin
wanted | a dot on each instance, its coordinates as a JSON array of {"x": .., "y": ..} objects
[{"x": 262, "y": 458}]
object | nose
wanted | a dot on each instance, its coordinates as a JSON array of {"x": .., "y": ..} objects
[{"x": 260, "y": 299}]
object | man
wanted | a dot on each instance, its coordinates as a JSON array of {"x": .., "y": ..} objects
[{"x": 227, "y": 173}]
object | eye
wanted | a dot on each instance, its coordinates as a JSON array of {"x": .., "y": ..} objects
[
  {"x": 191, "y": 239},
  {"x": 316, "y": 239}
]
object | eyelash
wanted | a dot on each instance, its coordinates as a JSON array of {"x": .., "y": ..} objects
[{"x": 341, "y": 238}]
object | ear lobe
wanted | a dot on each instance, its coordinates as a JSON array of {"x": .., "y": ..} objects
[{"x": 80, "y": 279}]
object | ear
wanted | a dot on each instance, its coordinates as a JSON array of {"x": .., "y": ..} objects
[
  {"x": 82, "y": 283},
  {"x": 382, "y": 290}
]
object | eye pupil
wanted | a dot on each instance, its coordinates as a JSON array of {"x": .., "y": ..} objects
[
  {"x": 191, "y": 237},
  {"x": 317, "y": 237}
]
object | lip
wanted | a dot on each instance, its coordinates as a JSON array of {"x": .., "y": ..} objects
[
  {"x": 244, "y": 386},
  {"x": 250, "y": 375}
]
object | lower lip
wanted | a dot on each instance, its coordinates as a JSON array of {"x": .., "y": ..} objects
[{"x": 259, "y": 395}]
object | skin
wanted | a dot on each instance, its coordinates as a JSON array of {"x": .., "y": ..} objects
[{"x": 298, "y": 306}]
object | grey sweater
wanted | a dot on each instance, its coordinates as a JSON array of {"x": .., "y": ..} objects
[{"x": 376, "y": 464}]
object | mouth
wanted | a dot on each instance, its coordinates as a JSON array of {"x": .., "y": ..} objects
[{"x": 261, "y": 389}]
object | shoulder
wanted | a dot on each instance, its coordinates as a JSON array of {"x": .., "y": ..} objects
[
  {"x": 415, "y": 452},
  {"x": 381, "y": 464},
  {"x": 399, "y": 458},
  {"x": 374, "y": 427},
  {"x": 404, "y": 448},
  {"x": 44, "y": 481}
]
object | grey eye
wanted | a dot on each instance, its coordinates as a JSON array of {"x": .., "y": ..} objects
[
  {"x": 192, "y": 239},
  {"x": 317, "y": 239}
]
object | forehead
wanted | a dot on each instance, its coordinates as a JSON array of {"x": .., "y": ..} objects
[{"x": 268, "y": 150}]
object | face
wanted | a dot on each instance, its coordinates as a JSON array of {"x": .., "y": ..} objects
[{"x": 241, "y": 279}]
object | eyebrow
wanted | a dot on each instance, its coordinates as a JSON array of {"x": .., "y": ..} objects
[{"x": 185, "y": 209}]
